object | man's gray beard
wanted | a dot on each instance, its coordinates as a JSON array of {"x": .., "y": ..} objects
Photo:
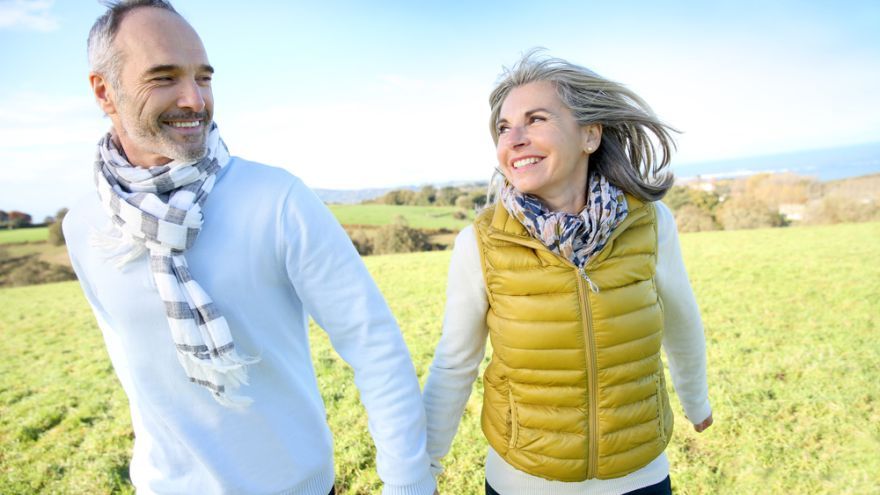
[
  {"x": 159, "y": 142},
  {"x": 180, "y": 153}
]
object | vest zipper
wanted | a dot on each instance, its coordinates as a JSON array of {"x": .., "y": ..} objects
[{"x": 592, "y": 386}]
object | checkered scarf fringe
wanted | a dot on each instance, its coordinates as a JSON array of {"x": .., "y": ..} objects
[
  {"x": 576, "y": 238},
  {"x": 159, "y": 210}
]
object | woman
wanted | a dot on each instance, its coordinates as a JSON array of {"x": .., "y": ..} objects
[{"x": 574, "y": 273}]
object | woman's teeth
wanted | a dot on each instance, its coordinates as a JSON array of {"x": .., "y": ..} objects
[{"x": 525, "y": 161}]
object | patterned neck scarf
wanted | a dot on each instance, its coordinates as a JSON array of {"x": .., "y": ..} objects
[
  {"x": 576, "y": 238},
  {"x": 159, "y": 210}
]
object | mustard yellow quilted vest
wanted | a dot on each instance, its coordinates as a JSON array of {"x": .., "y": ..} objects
[{"x": 575, "y": 388}]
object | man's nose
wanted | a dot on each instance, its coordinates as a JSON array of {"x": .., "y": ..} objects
[{"x": 192, "y": 96}]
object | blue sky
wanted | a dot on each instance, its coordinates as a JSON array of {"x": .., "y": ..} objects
[{"x": 385, "y": 93}]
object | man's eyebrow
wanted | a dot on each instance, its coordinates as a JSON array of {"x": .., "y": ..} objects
[{"x": 161, "y": 69}]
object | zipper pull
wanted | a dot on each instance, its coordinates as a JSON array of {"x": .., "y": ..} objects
[{"x": 593, "y": 287}]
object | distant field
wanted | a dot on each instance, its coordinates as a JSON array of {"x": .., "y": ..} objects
[
  {"x": 420, "y": 217},
  {"x": 791, "y": 319},
  {"x": 23, "y": 235}
]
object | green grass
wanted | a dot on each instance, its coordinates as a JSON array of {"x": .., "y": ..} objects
[
  {"x": 791, "y": 315},
  {"x": 13, "y": 236},
  {"x": 419, "y": 217}
]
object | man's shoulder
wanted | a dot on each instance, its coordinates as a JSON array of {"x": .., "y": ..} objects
[
  {"x": 85, "y": 210},
  {"x": 247, "y": 172},
  {"x": 244, "y": 177}
]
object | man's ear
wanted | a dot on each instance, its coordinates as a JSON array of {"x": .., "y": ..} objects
[{"x": 104, "y": 94}]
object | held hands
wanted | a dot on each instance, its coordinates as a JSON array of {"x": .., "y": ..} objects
[{"x": 705, "y": 424}]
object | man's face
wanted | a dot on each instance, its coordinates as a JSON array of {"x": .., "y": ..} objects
[{"x": 162, "y": 106}]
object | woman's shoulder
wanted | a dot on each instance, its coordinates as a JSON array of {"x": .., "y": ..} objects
[{"x": 665, "y": 218}]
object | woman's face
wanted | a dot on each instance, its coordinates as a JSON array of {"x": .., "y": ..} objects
[{"x": 541, "y": 148}]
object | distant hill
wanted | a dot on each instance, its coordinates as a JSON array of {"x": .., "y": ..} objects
[{"x": 354, "y": 196}]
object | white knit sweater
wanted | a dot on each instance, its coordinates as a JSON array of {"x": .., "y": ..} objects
[
  {"x": 270, "y": 254},
  {"x": 463, "y": 343}
]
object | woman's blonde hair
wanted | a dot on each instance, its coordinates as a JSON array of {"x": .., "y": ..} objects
[{"x": 636, "y": 146}]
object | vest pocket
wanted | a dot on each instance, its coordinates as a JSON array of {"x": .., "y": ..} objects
[
  {"x": 513, "y": 421},
  {"x": 662, "y": 406}
]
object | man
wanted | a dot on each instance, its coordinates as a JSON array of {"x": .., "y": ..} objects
[{"x": 202, "y": 269}]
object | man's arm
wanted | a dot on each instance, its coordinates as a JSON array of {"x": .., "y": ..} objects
[{"x": 338, "y": 292}]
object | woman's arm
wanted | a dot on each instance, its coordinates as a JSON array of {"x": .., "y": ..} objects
[
  {"x": 460, "y": 350},
  {"x": 683, "y": 337}
]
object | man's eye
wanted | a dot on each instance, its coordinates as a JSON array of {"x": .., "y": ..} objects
[{"x": 162, "y": 79}]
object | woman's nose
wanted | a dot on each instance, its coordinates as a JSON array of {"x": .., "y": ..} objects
[{"x": 517, "y": 136}]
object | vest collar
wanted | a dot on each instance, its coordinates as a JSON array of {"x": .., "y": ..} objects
[{"x": 502, "y": 226}]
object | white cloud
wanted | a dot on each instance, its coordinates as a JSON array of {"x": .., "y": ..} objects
[{"x": 33, "y": 15}]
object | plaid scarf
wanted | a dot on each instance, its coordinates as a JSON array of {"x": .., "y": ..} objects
[
  {"x": 159, "y": 210},
  {"x": 576, "y": 238}
]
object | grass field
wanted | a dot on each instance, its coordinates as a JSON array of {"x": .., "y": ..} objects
[
  {"x": 419, "y": 217},
  {"x": 791, "y": 315},
  {"x": 13, "y": 236}
]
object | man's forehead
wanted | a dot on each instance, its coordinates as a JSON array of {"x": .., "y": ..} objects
[{"x": 158, "y": 36}]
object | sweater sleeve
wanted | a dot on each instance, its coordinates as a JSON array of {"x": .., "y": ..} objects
[
  {"x": 683, "y": 338},
  {"x": 460, "y": 350},
  {"x": 338, "y": 292}
]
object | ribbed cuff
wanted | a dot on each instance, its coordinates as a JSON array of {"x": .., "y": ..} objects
[
  {"x": 699, "y": 414},
  {"x": 425, "y": 486}
]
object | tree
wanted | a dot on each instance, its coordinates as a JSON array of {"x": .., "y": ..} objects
[
  {"x": 18, "y": 219},
  {"x": 399, "y": 237},
  {"x": 465, "y": 202},
  {"x": 427, "y": 196},
  {"x": 398, "y": 197},
  {"x": 447, "y": 196},
  {"x": 56, "y": 234},
  {"x": 690, "y": 218},
  {"x": 745, "y": 212}
]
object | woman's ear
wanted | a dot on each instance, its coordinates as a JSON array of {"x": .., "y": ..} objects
[{"x": 592, "y": 136}]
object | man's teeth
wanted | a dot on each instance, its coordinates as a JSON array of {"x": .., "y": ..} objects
[
  {"x": 525, "y": 161},
  {"x": 194, "y": 123}
]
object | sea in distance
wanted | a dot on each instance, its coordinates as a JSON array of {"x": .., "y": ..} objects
[{"x": 823, "y": 164}]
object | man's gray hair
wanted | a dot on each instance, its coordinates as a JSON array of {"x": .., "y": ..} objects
[
  {"x": 103, "y": 58},
  {"x": 636, "y": 146}
]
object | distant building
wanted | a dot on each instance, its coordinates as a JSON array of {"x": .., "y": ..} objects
[{"x": 792, "y": 211}]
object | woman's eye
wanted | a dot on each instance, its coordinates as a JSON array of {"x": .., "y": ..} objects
[
  {"x": 536, "y": 118},
  {"x": 502, "y": 129}
]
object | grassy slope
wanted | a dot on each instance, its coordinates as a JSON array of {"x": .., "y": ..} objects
[
  {"x": 420, "y": 217},
  {"x": 23, "y": 235},
  {"x": 791, "y": 318}
]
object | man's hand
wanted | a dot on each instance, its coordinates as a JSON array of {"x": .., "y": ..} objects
[{"x": 705, "y": 424}]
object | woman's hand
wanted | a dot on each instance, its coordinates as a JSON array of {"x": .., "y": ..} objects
[{"x": 705, "y": 424}]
